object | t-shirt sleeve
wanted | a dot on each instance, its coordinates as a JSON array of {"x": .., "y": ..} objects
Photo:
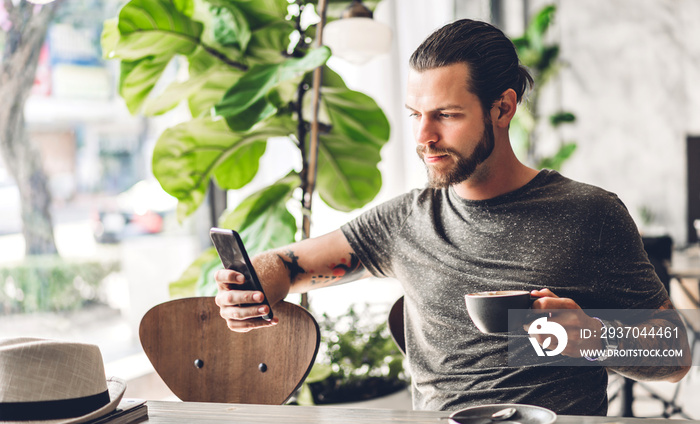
[
  {"x": 373, "y": 234},
  {"x": 624, "y": 272}
]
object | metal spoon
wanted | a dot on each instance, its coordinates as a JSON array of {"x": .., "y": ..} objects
[{"x": 501, "y": 415}]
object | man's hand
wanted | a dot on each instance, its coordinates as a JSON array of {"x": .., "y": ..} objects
[
  {"x": 572, "y": 318},
  {"x": 309, "y": 264},
  {"x": 240, "y": 318}
]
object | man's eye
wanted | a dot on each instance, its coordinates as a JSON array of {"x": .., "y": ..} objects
[{"x": 446, "y": 115}]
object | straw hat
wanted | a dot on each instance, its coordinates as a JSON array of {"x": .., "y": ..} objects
[{"x": 51, "y": 381}]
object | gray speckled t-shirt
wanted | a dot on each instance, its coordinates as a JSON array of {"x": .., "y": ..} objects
[{"x": 575, "y": 239}]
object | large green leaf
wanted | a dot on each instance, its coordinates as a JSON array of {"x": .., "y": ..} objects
[
  {"x": 347, "y": 176},
  {"x": 330, "y": 79},
  {"x": 204, "y": 90},
  {"x": 261, "y": 79},
  {"x": 240, "y": 167},
  {"x": 211, "y": 54},
  {"x": 257, "y": 112},
  {"x": 269, "y": 43},
  {"x": 356, "y": 115},
  {"x": 217, "y": 77},
  {"x": 230, "y": 26},
  {"x": 262, "y": 219},
  {"x": 258, "y": 13},
  {"x": 186, "y": 7},
  {"x": 155, "y": 28},
  {"x": 151, "y": 32},
  {"x": 203, "y": 100},
  {"x": 186, "y": 155},
  {"x": 137, "y": 79}
]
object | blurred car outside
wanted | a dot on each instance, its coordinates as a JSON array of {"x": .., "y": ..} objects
[{"x": 141, "y": 209}]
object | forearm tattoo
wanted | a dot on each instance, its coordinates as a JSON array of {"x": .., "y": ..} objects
[
  {"x": 343, "y": 272},
  {"x": 336, "y": 273},
  {"x": 292, "y": 265}
]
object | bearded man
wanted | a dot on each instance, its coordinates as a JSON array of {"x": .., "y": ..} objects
[{"x": 486, "y": 222}]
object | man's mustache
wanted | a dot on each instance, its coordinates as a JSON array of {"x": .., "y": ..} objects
[{"x": 423, "y": 151}]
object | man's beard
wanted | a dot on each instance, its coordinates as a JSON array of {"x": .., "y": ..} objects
[{"x": 465, "y": 166}]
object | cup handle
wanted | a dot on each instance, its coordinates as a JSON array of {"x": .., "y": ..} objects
[{"x": 531, "y": 314}]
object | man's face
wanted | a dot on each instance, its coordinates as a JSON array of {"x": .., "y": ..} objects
[{"x": 453, "y": 133}]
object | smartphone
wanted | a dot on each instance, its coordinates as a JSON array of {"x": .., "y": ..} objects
[{"x": 233, "y": 256}]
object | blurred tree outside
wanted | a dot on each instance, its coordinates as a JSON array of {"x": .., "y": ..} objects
[{"x": 24, "y": 26}]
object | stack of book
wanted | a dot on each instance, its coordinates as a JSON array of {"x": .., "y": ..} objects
[{"x": 129, "y": 411}]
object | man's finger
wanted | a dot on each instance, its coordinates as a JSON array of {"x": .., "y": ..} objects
[
  {"x": 250, "y": 324},
  {"x": 244, "y": 312},
  {"x": 225, "y": 277},
  {"x": 238, "y": 297},
  {"x": 543, "y": 293}
]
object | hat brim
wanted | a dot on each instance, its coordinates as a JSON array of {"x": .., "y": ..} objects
[{"x": 116, "y": 388}]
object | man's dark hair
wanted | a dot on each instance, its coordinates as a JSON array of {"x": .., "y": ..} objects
[{"x": 490, "y": 56}]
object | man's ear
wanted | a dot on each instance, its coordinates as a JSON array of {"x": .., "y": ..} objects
[{"x": 504, "y": 108}]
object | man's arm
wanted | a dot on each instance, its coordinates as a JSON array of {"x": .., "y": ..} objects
[
  {"x": 573, "y": 319},
  {"x": 660, "y": 320},
  {"x": 313, "y": 263}
]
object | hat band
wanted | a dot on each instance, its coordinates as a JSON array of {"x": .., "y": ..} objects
[{"x": 52, "y": 409}]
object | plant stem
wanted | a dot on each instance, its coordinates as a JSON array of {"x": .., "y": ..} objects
[
  {"x": 299, "y": 106},
  {"x": 301, "y": 131},
  {"x": 314, "y": 139},
  {"x": 311, "y": 166}
]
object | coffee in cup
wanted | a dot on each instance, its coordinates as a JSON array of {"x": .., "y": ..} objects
[{"x": 489, "y": 310}]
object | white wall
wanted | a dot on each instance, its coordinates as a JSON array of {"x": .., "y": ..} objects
[{"x": 631, "y": 80}]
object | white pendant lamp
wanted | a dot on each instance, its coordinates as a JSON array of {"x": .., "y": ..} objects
[{"x": 357, "y": 37}]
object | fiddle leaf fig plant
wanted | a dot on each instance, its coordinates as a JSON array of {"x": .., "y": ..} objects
[{"x": 244, "y": 73}]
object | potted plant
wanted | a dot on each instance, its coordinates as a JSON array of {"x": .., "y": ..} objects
[{"x": 358, "y": 361}]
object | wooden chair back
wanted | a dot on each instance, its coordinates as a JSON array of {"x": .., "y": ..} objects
[
  {"x": 201, "y": 360},
  {"x": 396, "y": 325}
]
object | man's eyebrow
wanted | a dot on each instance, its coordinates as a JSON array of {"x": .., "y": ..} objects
[{"x": 446, "y": 107}]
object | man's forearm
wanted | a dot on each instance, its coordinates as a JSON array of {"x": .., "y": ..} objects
[
  {"x": 302, "y": 277},
  {"x": 671, "y": 372},
  {"x": 313, "y": 263}
]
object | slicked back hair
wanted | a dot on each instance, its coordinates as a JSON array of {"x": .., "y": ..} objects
[{"x": 489, "y": 55}]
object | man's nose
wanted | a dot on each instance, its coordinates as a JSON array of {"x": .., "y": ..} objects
[{"x": 425, "y": 131}]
